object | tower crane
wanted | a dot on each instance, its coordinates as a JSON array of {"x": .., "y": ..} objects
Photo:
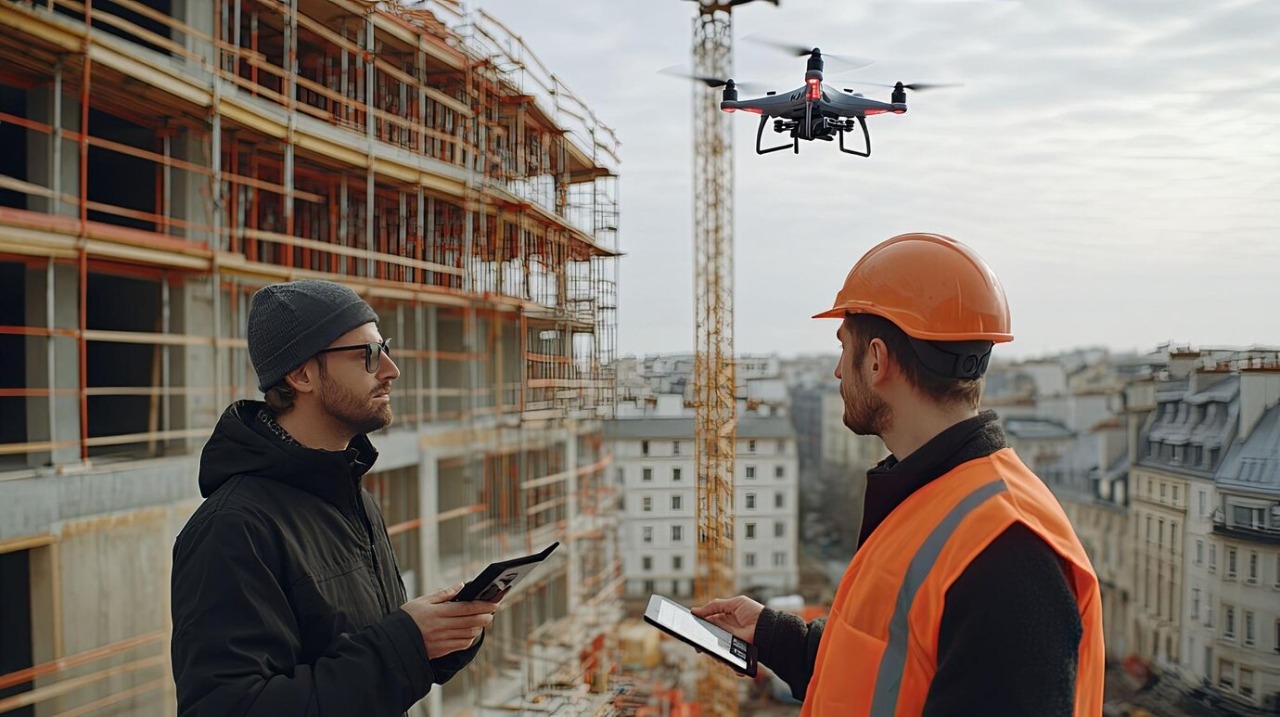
[{"x": 715, "y": 409}]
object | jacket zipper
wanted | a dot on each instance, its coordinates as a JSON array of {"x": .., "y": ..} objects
[{"x": 373, "y": 551}]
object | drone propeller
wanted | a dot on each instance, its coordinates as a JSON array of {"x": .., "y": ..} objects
[
  {"x": 713, "y": 81},
  {"x": 799, "y": 50},
  {"x": 915, "y": 86}
]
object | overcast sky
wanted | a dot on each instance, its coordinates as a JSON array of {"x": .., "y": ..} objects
[{"x": 1117, "y": 162}]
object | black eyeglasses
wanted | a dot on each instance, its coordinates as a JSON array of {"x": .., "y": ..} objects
[{"x": 373, "y": 352}]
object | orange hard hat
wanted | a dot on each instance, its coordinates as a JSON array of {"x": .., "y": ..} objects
[{"x": 932, "y": 287}]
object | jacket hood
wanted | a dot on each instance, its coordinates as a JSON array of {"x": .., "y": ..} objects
[{"x": 242, "y": 444}]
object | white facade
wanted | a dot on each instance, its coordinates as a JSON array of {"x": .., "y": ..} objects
[{"x": 658, "y": 537}]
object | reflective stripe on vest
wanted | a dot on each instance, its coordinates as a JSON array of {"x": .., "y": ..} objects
[{"x": 894, "y": 659}]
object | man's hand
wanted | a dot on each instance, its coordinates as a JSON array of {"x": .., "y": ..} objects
[
  {"x": 449, "y": 626},
  {"x": 738, "y": 615}
]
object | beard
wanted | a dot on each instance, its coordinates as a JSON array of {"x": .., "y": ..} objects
[
  {"x": 352, "y": 409},
  {"x": 865, "y": 413}
]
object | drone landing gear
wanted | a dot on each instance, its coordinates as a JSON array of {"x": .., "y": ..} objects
[
  {"x": 760, "y": 135},
  {"x": 866, "y": 138}
]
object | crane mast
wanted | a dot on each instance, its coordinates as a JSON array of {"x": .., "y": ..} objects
[{"x": 715, "y": 408}]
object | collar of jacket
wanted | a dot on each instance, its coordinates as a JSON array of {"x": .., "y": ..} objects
[
  {"x": 892, "y": 481},
  {"x": 242, "y": 444}
]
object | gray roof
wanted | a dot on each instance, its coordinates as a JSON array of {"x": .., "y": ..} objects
[
  {"x": 679, "y": 428},
  {"x": 1033, "y": 428},
  {"x": 1255, "y": 464},
  {"x": 1204, "y": 420}
]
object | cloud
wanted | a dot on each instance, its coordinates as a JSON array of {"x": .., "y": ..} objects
[{"x": 1116, "y": 162}]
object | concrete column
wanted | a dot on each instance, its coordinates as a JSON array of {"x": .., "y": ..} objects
[
  {"x": 429, "y": 534},
  {"x": 52, "y": 163},
  {"x": 190, "y": 193},
  {"x": 53, "y": 362},
  {"x": 191, "y": 313},
  {"x": 199, "y": 16},
  {"x": 429, "y": 550},
  {"x": 573, "y": 573}
]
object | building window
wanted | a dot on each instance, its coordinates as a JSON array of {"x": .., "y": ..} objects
[
  {"x": 1248, "y": 627},
  {"x": 622, "y": 475},
  {"x": 751, "y": 446},
  {"x": 779, "y": 529},
  {"x": 1175, "y": 494},
  {"x": 1148, "y": 529},
  {"x": 675, "y": 475},
  {"x": 646, "y": 563},
  {"x": 677, "y": 533},
  {"x": 1178, "y": 451},
  {"x": 1195, "y": 603},
  {"x": 1253, "y": 568},
  {"x": 779, "y": 559},
  {"x": 779, "y": 499},
  {"x": 1226, "y": 675},
  {"x": 676, "y": 502},
  {"x": 646, "y": 504},
  {"x": 1164, "y": 487},
  {"x": 649, "y": 587},
  {"x": 675, "y": 448},
  {"x": 1160, "y": 534},
  {"x": 779, "y": 472},
  {"x": 782, "y": 448},
  {"x": 1203, "y": 499},
  {"x": 1278, "y": 635},
  {"x": 1246, "y": 682},
  {"x": 751, "y": 471},
  {"x": 1199, "y": 551},
  {"x": 1213, "y": 556},
  {"x": 751, "y": 530},
  {"x": 1247, "y": 517},
  {"x": 751, "y": 501},
  {"x": 749, "y": 560},
  {"x": 646, "y": 474},
  {"x": 647, "y": 534},
  {"x": 644, "y": 448},
  {"x": 1231, "y": 563},
  {"x": 677, "y": 562},
  {"x": 1229, "y": 622}
]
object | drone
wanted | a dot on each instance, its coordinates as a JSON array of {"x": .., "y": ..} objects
[{"x": 816, "y": 110}]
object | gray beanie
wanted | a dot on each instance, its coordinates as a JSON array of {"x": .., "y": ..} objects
[{"x": 291, "y": 322}]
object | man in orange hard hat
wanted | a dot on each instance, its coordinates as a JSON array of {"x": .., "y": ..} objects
[{"x": 969, "y": 593}]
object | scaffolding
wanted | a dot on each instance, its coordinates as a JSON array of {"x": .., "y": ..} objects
[{"x": 165, "y": 160}]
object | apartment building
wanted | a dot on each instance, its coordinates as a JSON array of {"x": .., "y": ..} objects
[
  {"x": 1233, "y": 616},
  {"x": 654, "y": 466},
  {"x": 164, "y": 160}
]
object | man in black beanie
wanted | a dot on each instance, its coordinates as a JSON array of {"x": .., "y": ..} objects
[{"x": 286, "y": 597}]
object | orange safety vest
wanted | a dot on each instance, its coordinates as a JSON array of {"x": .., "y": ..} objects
[{"x": 879, "y": 649}]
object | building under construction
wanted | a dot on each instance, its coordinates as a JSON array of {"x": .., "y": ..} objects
[{"x": 160, "y": 160}]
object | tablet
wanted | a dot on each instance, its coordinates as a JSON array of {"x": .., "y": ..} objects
[
  {"x": 676, "y": 620},
  {"x": 495, "y": 581}
]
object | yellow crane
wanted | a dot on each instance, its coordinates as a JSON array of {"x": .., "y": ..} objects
[{"x": 715, "y": 410}]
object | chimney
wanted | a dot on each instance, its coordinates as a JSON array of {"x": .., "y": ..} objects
[
  {"x": 1259, "y": 390},
  {"x": 1182, "y": 363}
]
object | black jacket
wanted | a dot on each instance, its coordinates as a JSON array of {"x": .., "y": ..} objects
[
  {"x": 285, "y": 592},
  {"x": 1010, "y": 632}
]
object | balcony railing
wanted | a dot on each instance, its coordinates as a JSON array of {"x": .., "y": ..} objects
[{"x": 1269, "y": 536}]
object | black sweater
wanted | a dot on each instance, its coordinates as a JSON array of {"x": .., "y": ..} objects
[{"x": 1010, "y": 630}]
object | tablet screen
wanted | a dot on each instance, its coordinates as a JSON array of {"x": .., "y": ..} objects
[{"x": 709, "y": 637}]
